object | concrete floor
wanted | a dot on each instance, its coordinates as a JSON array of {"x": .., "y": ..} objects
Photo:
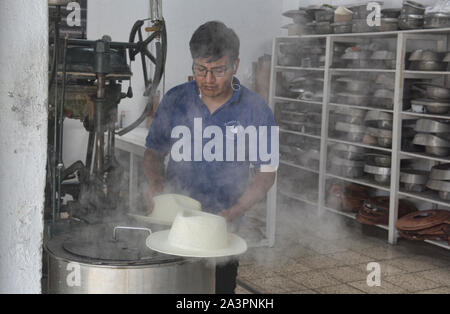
[{"x": 329, "y": 255}]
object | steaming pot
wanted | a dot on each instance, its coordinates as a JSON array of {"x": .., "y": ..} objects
[{"x": 106, "y": 259}]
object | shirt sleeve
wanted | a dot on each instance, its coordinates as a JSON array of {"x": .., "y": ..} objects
[
  {"x": 267, "y": 158},
  {"x": 158, "y": 137}
]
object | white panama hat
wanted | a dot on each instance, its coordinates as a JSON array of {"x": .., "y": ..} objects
[
  {"x": 167, "y": 206},
  {"x": 197, "y": 234}
]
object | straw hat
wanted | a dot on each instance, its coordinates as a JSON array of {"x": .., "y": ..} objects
[
  {"x": 197, "y": 234},
  {"x": 167, "y": 206}
]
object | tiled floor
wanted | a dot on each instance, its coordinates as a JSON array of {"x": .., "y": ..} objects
[{"x": 330, "y": 254}]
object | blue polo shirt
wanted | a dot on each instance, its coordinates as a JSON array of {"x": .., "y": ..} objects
[{"x": 217, "y": 183}]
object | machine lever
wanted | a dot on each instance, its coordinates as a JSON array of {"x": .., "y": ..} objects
[
  {"x": 130, "y": 92},
  {"x": 129, "y": 228}
]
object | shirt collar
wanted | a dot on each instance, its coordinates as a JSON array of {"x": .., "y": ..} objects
[
  {"x": 234, "y": 97},
  {"x": 237, "y": 91}
]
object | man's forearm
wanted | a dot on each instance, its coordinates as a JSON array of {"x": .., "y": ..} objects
[
  {"x": 254, "y": 193},
  {"x": 154, "y": 170}
]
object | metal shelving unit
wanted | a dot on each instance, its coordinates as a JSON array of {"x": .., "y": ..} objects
[
  {"x": 426, "y": 115},
  {"x": 335, "y": 140},
  {"x": 297, "y": 197},
  {"x": 294, "y": 165},
  {"x": 351, "y": 216},
  {"x": 361, "y": 107},
  {"x": 401, "y": 38},
  {"x": 279, "y": 67},
  {"x": 301, "y": 134},
  {"x": 361, "y": 181},
  {"x": 311, "y": 102}
]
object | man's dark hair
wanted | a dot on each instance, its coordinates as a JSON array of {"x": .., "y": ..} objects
[{"x": 214, "y": 40}]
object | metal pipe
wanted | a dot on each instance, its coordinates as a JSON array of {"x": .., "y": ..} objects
[
  {"x": 109, "y": 145},
  {"x": 90, "y": 149},
  {"x": 54, "y": 63},
  {"x": 100, "y": 140},
  {"x": 99, "y": 153},
  {"x": 55, "y": 127},
  {"x": 159, "y": 70},
  {"x": 156, "y": 10},
  {"x": 94, "y": 148},
  {"x": 144, "y": 69},
  {"x": 100, "y": 85},
  {"x": 91, "y": 43},
  {"x": 129, "y": 228},
  {"x": 60, "y": 164}
]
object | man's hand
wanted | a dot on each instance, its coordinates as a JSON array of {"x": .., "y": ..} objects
[
  {"x": 232, "y": 213},
  {"x": 154, "y": 171},
  {"x": 150, "y": 204},
  {"x": 255, "y": 192},
  {"x": 151, "y": 193}
]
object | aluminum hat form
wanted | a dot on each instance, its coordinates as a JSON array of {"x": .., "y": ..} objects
[
  {"x": 197, "y": 234},
  {"x": 167, "y": 206}
]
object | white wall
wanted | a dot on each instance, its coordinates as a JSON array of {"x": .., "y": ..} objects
[
  {"x": 23, "y": 129},
  {"x": 256, "y": 22}
]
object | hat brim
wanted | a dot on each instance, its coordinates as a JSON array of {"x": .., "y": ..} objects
[{"x": 158, "y": 241}]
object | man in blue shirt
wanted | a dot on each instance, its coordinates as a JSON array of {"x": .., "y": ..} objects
[{"x": 198, "y": 123}]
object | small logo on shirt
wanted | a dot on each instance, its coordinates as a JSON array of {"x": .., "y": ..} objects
[{"x": 233, "y": 126}]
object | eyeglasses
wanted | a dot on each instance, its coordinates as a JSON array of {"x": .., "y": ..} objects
[{"x": 217, "y": 72}]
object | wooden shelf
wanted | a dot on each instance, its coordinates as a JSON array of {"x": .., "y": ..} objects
[
  {"x": 361, "y": 107},
  {"x": 411, "y": 73},
  {"x": 294, "y": 68},
  {"x": 426, "y": 115},
  {"x": 339, "y": 212},
  {"x": 291, "y": 164},
  {"x": 425, "y": 156},
  {"x": 359, "y": 144},
  {"x": 351, "y": 215},
  {"x": 363, "y": 181},
  {"x": 300, "y": 133},
  {"x": 427, "y": 196},
  {"x": 333, "y": 70},
  {"x": 312, "y": 102},
  {"x": 297, "y": 197},
  {"x": 442, "y": 244},
  {"x": 371, "y": 34}
]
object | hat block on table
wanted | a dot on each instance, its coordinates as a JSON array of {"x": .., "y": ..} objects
[{"x": 167, "y": 206}]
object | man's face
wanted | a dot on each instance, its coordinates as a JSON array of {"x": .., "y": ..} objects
[{"x": 215, "y": 84}]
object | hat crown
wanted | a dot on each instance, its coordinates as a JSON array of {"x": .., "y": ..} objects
[
  {"x": 167, "y": 206},
  {"x": 198, "y": 231}
]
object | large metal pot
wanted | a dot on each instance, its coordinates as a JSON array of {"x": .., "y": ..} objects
[
  {"x": 410, "y": 21},
  {"x": 412, "y": 7},
  {"x": 432, "y": 106},
  {"x": 88, "y": 261},
  {"x": 437, "y": 20}
]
